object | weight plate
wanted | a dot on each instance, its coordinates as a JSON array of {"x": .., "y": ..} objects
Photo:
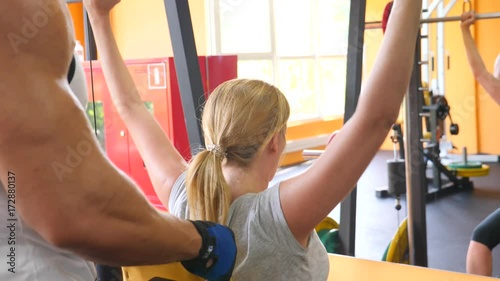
[{"x": 468, "y": 165}]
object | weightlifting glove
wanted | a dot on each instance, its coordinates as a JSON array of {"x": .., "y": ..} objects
[{"x": 218, "y": 246}]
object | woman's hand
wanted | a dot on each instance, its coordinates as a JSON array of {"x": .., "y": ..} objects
[{"x": 468, "y": 18}]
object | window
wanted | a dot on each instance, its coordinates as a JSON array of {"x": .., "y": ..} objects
[{"x": 299, "y": 46}]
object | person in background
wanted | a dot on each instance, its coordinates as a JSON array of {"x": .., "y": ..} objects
[
  {"x": 489, "y": 81},
  {"x": 486, "y": 235}
]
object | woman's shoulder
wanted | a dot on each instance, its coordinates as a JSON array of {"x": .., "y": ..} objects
[
  {"x": 177, "y": 203},
  {"x": 260, "y": 204},
  {"x": 262, "y": 197}
]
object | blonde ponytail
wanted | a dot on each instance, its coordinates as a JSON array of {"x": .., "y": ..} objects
[{"x": 209, "y": 196}]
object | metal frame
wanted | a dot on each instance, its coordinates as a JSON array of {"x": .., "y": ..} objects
[
  {"x": 431, "y": 153},
  {"x": 415, "y": 165},
  {"x": 496, "y": 15},
  {"x": 458, "y": 18},
  {"x": 430, "y": 8},
  {"x": 187, "y": 68},
  {"x": 272, "y": 56},
  {"x": 90, "y": 45},
  {"x": 347, "y": 230},
  {"x": 416, "y": 182},
  {"x": 440, "y": 53},
  {"x": 442, "y": 11}
]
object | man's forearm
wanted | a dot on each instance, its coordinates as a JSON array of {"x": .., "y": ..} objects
[{"x": 121, "y": 228}]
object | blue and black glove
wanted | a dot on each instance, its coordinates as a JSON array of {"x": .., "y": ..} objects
[{"x": 218, "y": 246}]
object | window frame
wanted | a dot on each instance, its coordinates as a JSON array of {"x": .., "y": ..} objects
[{"x": 214, "y": 30}]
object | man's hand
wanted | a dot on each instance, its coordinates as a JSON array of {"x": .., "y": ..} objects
[
  {"x": 217, "y": 254},
  {"x": 468, "y": 18},
  {"x": 100, "y": 7}
]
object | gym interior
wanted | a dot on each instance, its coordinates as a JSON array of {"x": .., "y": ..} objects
[{"x": 312, "y": 52}]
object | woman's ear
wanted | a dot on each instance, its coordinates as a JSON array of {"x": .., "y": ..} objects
[{"x": 274, "y": 144}]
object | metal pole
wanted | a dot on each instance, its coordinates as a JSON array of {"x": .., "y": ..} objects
[
  {"x": 187, "y": 67},
  {"x": 378, "y": 24},
  {"x": 347, "y": 231},
  {"x": 436, "y": 179},
  {"x": 311, "y": 153},
  {"x": 424, "y": 47},
  {"x": 416, "y": 184},
  {"x": 373, "y": 25},
  {"x": 440, "y": 57},
  {"x": 90, "y": 45},
  {"x": 459, "y": 18}
]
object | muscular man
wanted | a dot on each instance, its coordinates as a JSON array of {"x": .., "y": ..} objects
[
  {"x": 62, "y": 201},
  {"x": 486, "y": 235}
]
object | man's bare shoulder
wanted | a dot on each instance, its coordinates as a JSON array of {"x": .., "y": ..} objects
[
  {"x": 35, "y": 60},
  {"x": 39, "y": 29}
]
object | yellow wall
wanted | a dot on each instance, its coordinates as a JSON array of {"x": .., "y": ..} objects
[
  {"x": 141, "y": 28},
  {"x": 76, "y": 10},
  {"x": 373, "y": 40},
  {"x": 460, "y": 86},
  {"x": 488, "y": 113}
]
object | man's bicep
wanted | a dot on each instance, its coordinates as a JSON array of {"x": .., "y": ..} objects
[{"x": 48, "y": 147}]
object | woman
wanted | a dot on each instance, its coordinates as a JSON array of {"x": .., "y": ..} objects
[
  {"x": 244, "y": 125},
  {"x": 489, "y": 81}
]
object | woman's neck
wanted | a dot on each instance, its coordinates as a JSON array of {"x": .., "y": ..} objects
[{"x": 244, "y": 180}]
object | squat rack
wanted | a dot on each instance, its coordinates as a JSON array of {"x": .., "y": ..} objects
[{"x": 415, "y": 165}]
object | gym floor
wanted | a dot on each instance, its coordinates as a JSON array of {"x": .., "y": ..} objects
[{"x": 450, "y": 220}]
